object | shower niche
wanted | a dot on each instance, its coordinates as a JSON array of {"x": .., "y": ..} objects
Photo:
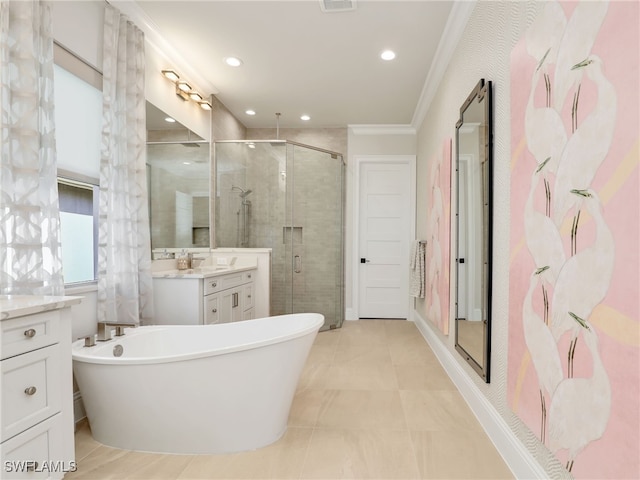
[{"x": 288, "y": 197}]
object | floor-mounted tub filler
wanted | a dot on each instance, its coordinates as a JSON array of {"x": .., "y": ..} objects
[{"x": 195, "y": 389}]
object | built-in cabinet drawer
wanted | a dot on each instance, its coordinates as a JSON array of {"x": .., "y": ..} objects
[
  {"x": 23, "y": 334},
  {"x": 211, "y": 312},
  {"x": 30, "y": 390},
  {"x": 248, "y": 296},
  {"x": 37, "y": 452},
  {"x": 223, "y": 282}
]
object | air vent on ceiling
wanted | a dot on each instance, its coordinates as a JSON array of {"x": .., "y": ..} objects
[{"x": 337, "y": 5}]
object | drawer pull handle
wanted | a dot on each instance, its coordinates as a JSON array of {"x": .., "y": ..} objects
[
  {"x": 248, "y": 296},
  {"x": 214, "y": 284},
  {"x": 32, "y": 466},
  {"x": 30, "y": 390},
  {"x": 249, "y": 276},
  {"x": 214, "y": 310},
  {"x": 30, "y": 333}
]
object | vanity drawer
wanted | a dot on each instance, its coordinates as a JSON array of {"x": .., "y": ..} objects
[
  {"x": 23, "y": 334},
  {"x": 248, "y": 300},
  {"x": 30, "y": 390},
  {"x": 222, "y": 282},
  {"x": 211, "y": 309},
  {"x": 29, "y": 454}
]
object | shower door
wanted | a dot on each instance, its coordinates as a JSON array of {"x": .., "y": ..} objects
[
  {"x": 297, "y": 201},
  {"x": 314, "y": 233}
]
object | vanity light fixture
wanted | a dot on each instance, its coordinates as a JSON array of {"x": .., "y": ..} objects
[
  {"x": 184, "y": 86},
  {"x": 185, "y": 91},
  {"x": 171, "y": 75}
]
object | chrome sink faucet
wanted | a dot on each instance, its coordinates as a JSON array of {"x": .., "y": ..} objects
[{"x": 104, "y": 332}]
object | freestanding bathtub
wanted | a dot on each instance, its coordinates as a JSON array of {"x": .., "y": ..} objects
[{"x": 195, "y": 389}]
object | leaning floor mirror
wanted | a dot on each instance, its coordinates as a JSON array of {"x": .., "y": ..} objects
[{"x": 474, "y": 226}]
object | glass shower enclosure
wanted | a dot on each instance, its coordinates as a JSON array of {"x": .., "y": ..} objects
[{"x": 288, "y": 197}]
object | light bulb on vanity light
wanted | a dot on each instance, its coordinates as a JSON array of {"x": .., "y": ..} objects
[{"x": 171, "y": 75}]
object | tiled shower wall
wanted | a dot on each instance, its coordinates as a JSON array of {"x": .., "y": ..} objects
[{"x": 306, "y": 240}]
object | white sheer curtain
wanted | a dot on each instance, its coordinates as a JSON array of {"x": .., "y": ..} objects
[
  {"x": 124, "y": 252},
  {"x": 29, "y": 217}
]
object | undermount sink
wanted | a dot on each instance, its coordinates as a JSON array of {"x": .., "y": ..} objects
[{"x": 211, "y": 268}]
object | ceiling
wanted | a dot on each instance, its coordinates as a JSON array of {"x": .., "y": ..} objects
[{"x": 298, "y": 59}]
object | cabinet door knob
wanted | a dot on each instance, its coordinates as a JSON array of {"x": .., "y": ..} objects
[
  {"x": 214, "y": 284},
  {"x": 249, "y": 276},
  {"x": 214, "y": 310},
  {"x": 30, "y": 333},
  {"x": 30, "y": 390}
]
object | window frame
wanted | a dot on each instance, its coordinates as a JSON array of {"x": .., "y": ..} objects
[{"x": 77, "y": 180}]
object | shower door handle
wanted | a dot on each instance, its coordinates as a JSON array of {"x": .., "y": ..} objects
[{"x": 297, "y": 264}]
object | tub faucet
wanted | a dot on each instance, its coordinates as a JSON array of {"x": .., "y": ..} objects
[{"x": 104, "y": 332}]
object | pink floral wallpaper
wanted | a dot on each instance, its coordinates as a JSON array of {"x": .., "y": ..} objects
[
  {"x": 574, "y": 332},
  {"x": 438, "y": 238}
]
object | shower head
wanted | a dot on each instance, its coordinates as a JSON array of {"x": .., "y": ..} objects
[{"x": 243, "y": 192}]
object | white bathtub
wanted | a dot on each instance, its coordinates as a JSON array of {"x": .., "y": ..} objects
[{"x": 195, "y": 389}]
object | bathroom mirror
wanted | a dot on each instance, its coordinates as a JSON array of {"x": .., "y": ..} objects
[
  {"x": 178, "y": 164},
  {"x": 474, "y": 227}
]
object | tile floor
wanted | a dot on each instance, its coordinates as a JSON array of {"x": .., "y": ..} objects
[{"x": 373, "y": 402}]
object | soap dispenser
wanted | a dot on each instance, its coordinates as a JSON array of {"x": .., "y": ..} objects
[{"x": 183, "y": 261}]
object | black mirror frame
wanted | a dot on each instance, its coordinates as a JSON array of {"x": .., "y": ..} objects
[{"x": 482, "y": 92}]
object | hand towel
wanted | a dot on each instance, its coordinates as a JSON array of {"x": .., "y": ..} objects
[{"x": 417, "y": 268}]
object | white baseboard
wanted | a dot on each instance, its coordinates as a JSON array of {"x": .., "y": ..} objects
[
  {"x": 350, "y": 314},
  {"x": 514, "y": 453}
]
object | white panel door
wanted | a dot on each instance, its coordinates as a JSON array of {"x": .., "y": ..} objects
[{"x": 384, "y": 235}]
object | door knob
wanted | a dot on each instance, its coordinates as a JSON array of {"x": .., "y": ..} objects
[{"x": 364, "y": 260}]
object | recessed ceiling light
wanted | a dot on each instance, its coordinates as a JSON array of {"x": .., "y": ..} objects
[
  {"x": 250, "y": 112},
  {"x": 305, "y": 117},
  {"x": 170, "y": 120},
  {"x": 388, "y": 55},
  {"x": 186, "y": 163},
  {"x": 233, "y": 61}
]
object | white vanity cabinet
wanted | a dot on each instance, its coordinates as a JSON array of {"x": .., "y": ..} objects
[
  {"x": 36, "y": 420},
  {"x": 190, "y": 299},
  {"x": 229, "y": 298}
]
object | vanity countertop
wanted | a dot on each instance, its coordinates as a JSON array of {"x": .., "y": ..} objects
[
  {"x": 12, "y": 306},
  {"x": 202, "y": 272}
]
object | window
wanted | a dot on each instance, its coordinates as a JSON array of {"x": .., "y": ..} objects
[
  {"x": 78, "y": 99},
  {"x": 78, "y": 202}
]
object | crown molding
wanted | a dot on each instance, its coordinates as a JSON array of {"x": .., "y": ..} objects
[
  {"x": 453, "y": 30},
  {"x": 382, "y": 129},
  {"x": 154, "y": 38}
]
